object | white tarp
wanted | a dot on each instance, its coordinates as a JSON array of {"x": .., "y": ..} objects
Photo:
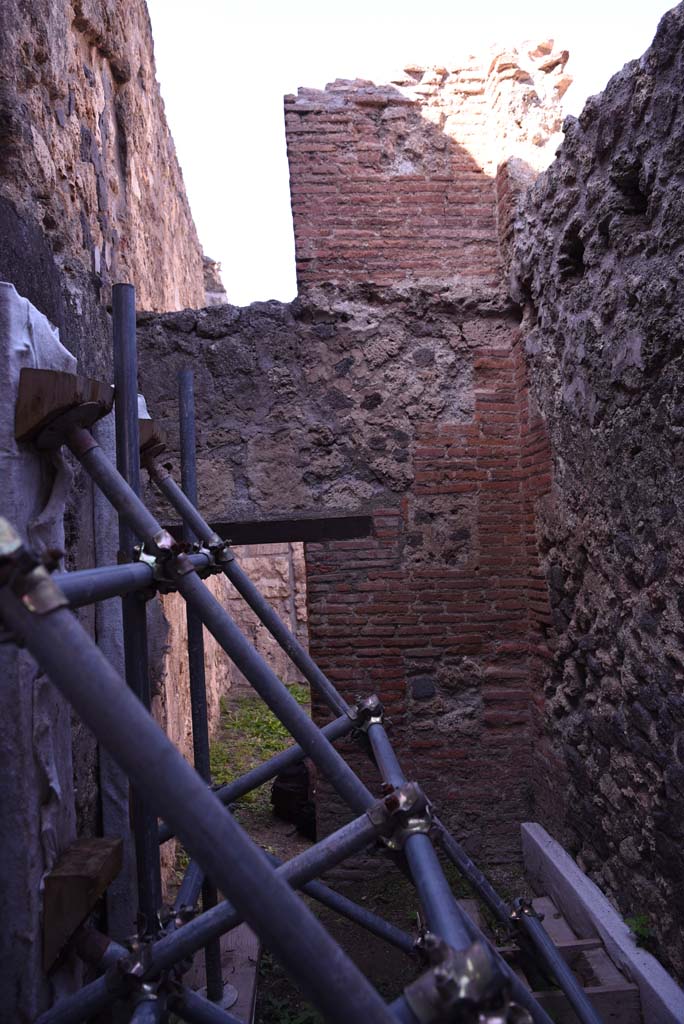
[{"x": 36, "y": 787}]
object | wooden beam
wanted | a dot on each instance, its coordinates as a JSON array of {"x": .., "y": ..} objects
[
  {"x": 45, "y": 395},
  {"x": 73, "y": 887},
  {"x": 311, "y": 529}
]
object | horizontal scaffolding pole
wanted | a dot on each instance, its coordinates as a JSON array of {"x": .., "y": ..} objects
[
  {"x": 251, "y": 594},
  {"x": 176, "y": 793},
  {"x": 86, "y": 586}
]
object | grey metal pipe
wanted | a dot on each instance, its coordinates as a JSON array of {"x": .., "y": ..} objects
[
  {"x": 273, "y": 692},
  {"x": 221, "y": 626},
  {"x": 519, "y": 992},
  {"x": 554, "y": 962},
  {"x": 385, "y": 757},
  {"x": 269, "y": 769},
  {"x": 289, "y": 643},
  {"x": 182, "y": 943},
  {"x": 263, "y": 897},
  {"x": 134, "y": 611},
  {"x": 186, "y": 506},
  {"x": 191, "y": 1007},
  {"x": 198, "y": 687},
  {"x": 149, "y": 1011},
  {"x": 117, "y": 491},
  {"x": 444, "y": 916},
  {"x": 353, "y": 912},
  {"x": 473, "y": 875},
  {"x": 87, "y": 586},
  {"x": 187, "y": 509}
]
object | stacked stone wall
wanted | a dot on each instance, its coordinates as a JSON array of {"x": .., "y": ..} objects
[
  {"x": 87, "y": 158},
  {"x": 600, "y": 248},
  {"x": 414, "y": 410}
]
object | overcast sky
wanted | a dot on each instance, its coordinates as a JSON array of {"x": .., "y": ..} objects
[{"x": 225, "y": 65}]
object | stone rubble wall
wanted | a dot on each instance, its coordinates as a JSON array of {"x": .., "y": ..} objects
[
  {"x": 599, "y": 259},
  {"x": 86, "y": 154},
  {"x": 409, "y": 406}
]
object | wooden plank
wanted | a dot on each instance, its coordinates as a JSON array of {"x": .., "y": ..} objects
[
  {"x": 240, "y": 954},
  {"x": 551, "y": 870},
  {"x": 569, "y": 950},
  {"x": 615, "y": 1005},
  {"x": 553, "y": 921},
  {"x": 73, "y": 887},
  {"x": 44, "y": 395},
  {"x": 603, "y": 969},
  {"x": 311, "y": 528}
]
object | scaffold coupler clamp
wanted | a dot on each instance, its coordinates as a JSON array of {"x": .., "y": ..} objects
[
  {"x": 221, "y": 552},
  {"x": 404, "y": 812},
  {"x": 465, "y": 986},
  {"x": 132, "y": 968},
  {"x": 366, "y": 712},
  {"x": 162, "y": 580},
  {"x": 27, "y": 575},
  {"x": 523, "y": 907}
]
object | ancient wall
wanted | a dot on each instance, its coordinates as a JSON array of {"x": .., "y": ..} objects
[
  {"x": 394, "y": 387},
  {"x": 90, "y": 193},
  {"x": 411, "y": 410},
  {"x": 600, "y": 251},
  {"x": 408, "y": 182},
  {"x": 86, "y": 156}
]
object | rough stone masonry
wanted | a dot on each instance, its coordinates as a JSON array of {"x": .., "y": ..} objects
[
  {"x": 600, "y": 254},
  {"x": 394, "y": 387}
]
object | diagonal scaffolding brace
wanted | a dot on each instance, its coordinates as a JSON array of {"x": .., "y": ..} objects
[{"x": 465, "y": 978}]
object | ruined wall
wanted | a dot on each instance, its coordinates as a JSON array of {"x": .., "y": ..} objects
[
  {"x": 90, "y": 193},
  {"x": 411, "y": 411},
  {"x": 394, "y": 387},
  {"x": 600, "y": 253},
  {"x": 86, "y": 157},
  {"x": 408, "y": 181}
]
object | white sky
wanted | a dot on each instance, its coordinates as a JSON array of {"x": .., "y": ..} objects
[{"x": 225, "y": 65}]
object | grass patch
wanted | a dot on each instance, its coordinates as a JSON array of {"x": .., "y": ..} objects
[{"x": 249, "y": 734}]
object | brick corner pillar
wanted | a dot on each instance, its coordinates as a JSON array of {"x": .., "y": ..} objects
[{"x": 402, "y": 199}]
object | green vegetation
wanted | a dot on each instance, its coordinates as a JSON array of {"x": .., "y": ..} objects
[
  {"x": 249, "y": 734},
  {"x": 278, "y": 1000},
  {"x": 644, "y": 936}
]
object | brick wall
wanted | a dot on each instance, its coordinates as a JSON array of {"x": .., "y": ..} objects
[
  {"x": 397, "y": 183},
  {"x": 394, "y": 387},
  {"x": 443, "y": 612}
]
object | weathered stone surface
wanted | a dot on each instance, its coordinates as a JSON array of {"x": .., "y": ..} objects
[
  {"x": 408, "y": 405},
  {"x": 599, "y": 260},
  {"x": 86, "y": 153},
  {"x": 414, "y": 182}
]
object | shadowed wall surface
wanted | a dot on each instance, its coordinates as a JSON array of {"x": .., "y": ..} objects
[{"x": 599, "y": 257}]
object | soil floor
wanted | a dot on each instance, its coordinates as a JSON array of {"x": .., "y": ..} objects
[{"x": 249, "y": 734}]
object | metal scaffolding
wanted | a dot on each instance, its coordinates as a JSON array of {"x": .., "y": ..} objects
[{"x": 463, "y": 977}]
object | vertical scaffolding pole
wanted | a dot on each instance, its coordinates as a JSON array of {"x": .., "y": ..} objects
[
  {"x": 196, "y": 664},
  {"x": 133, "y": 606}
]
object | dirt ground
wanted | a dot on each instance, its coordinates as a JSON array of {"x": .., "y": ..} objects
[{"x": 249, "y": 734}]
